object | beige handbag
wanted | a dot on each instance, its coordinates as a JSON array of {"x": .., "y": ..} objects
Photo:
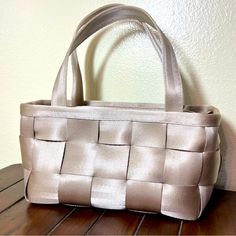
[{"x": 141, "y": 157}]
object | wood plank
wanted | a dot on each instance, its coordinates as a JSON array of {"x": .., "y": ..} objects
[
  {"x": 219, "y": 217},
  {"x": 159, "y": 225},
  {"x": 116, "y": 222},
  {"x": 11, "y": 195},
  {"x": 79, "y": 222},
  {"x": 10, "y": 175},
  {"x": 24, "y": 218}
]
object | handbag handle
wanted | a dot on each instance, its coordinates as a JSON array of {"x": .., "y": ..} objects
[
  {"x": 77, "y": 88},
  {"x": 77, "y": 97},
  {"x": 173, "y": 83}
]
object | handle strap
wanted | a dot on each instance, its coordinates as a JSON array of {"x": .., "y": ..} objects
[
  {"x": 173, "y": 84},
  {"x": 77, "y": 97}
]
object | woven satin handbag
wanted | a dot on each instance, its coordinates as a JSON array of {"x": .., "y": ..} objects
[{"x": 141, "y": 157}]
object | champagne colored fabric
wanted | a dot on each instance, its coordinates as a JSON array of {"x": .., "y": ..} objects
[
  {"x": 111, "y": 161},
  {"x": 143, "y": 162},
  {"x": 50, "y": 129},
  {"x": 135, "y": 199},
  {"x": 189, "y": 118},
  {"x": 43, "y": 152},
  {"x": 211, "y": 164},
  {"x": 154, "y": 133},
  {"x": 141, "y": 157},
  {"x": 212, "y": 139},
  {"x": 180, "y": 201},
  {"x": 186, "y": 167},
  {"x": 205, "y": 193},
  {"x": 43, "y": 186},
  {"x": 75, "y": 189},
  {"x": 26, "y": 181},
  {"x": 79, "y": 158},
  {"x": 115, "y": 132},
  {"x": 27, "y": 145},
  {"x": 86, "y": 131},
  {"x": 27, "y": 126},
  {"x": 108, "y": 193},
  {"x": 182, "y": 138}
]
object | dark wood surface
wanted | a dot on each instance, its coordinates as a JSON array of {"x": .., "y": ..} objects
[{"x": 17, "y": 217}]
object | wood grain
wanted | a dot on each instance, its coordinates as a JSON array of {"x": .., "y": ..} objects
[
  {"x": 116, "y": 222},
  {"x": 10, "y": 175},
  {"x": 79, "y": 222},
  {"x": 218, "y": 218},
  {"x": 159, "y": 225},
  {"x": 11, "y": 195},
  {"x": 19, "y": 217},
  {"x": 25, "y": 219}
]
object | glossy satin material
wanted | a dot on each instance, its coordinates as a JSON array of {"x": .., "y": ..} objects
[{"x": 141, "y": 157}]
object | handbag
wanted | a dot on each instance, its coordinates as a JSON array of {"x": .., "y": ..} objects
[{"x": 117, "y": 155}]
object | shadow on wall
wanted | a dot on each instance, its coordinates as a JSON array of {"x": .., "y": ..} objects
[
  {"x": 94, "y": 82},
  {"x": 193, "y": 96},
  {"x": 227, "y": 176}
]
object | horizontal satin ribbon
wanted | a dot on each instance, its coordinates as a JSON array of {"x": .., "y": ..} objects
[{"x": 40, "y": 109}]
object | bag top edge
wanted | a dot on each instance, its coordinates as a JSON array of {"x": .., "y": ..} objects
[
  {"x": 201, "y": 109},
  {"x": 192, "y": 115}
]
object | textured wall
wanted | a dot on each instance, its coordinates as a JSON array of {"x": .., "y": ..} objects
[{"x": 120, "y": 61}]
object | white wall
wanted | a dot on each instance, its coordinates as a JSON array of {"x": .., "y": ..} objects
[{"x": 34, "y": 36}]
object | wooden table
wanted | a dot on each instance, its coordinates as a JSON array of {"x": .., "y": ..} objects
[{"x": 19, "y": 217}]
